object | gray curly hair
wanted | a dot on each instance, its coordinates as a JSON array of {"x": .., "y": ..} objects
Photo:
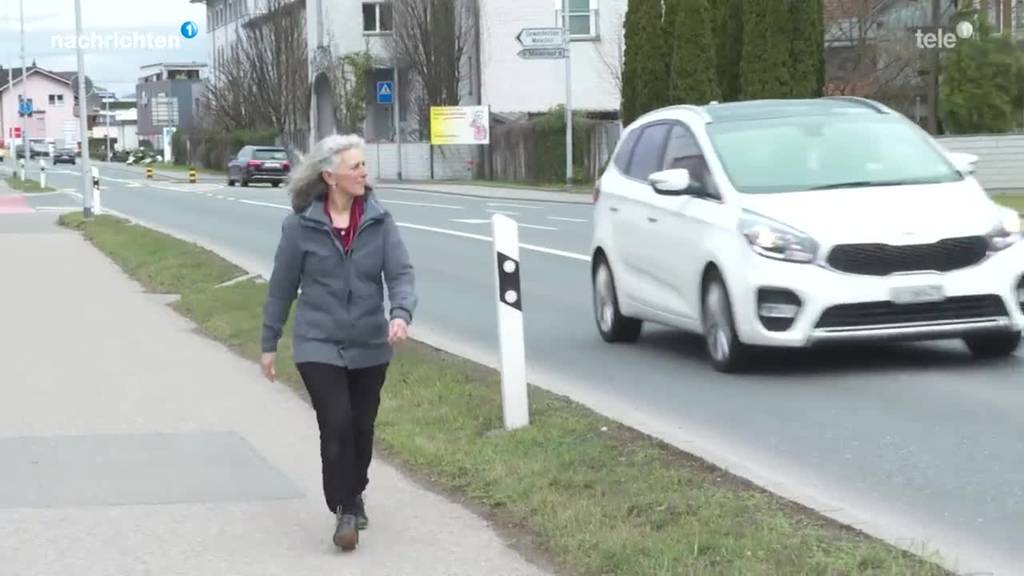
[{"x": 306, "y": 183}]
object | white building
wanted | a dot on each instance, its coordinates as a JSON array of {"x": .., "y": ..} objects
[
  {"x": 511, "y": 84},
  {"x": 224, "y": 20},
  {"x": 494, "y": 73}
]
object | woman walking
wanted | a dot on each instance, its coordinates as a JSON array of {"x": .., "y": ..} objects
[{"x": 335, "y": 249}]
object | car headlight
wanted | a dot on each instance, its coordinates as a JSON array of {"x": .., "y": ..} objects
[
  {"x": 1006, "y": 232},
  {"x": 776, "y": 240}
]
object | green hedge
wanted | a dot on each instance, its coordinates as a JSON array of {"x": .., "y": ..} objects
[{"x": 212, "y": 149}]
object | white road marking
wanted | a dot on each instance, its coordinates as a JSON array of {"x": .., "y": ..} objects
[
  {"x": 470, "y": 221},
  {"x": 531, "y": 247},
  {"x": 511, "y": 205},
  {"x": 57, "y": 208},
  {"x": 536, "y": 227},
  {"x": 426, "y": 204},
  {"x": 505, "y": 212},
  {"x": 478, "y": 221},
  {"x": 265, "y": 204},
  {"x": 562, "y": 219}
]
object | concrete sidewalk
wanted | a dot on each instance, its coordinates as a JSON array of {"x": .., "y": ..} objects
[{"x": 131, "y": 445}]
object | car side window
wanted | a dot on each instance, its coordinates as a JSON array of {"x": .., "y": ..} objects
[
  {"x": 649, "y": 151},
  {"x": 626, "y": 151},
  {"x": 683, "y": 151}
]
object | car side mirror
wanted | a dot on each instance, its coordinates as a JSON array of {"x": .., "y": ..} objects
[
  {"x": 674, "y": 182},
  {"x": 964, "y": 162}
]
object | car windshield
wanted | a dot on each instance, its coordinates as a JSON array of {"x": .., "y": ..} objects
[
  {"x": 269, "y": 155},
  {"x": 821, "y": 152}
]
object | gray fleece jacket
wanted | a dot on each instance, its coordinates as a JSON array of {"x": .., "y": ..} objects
[{"x": 340, "y": 317}]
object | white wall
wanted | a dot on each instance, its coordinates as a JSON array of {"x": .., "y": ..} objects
[
  {"x": 1001, "y": 159},
  {"x": 512, "y": 84}
]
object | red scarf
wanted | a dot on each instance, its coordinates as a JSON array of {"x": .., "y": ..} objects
[{"x": 355, "y": 215}]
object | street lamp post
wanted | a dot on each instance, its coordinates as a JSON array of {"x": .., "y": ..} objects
[
  {"x": 83, "y": 116},
  {"x": 24, "y": 81}
]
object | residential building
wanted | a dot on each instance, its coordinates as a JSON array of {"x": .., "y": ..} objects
[
  {"x": 512, "y": 84},
  {"x": 492, "y": 74},
  {"x": 53, "y": 104},
  {"x": 225, "y": 21},
  {"x": 120, "y": 123},
  {"x": 169, "y": 95}
]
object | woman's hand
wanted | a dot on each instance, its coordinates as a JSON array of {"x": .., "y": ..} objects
[
  {"x": 267, "y": 364},
  {"x": 398, "y": 331}
]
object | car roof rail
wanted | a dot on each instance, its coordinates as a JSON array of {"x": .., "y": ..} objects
[
  {"x": 698, "y": 110},
  {"x": 865, "y": 102}
]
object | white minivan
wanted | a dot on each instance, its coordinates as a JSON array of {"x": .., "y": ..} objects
[{"x": 791, "y": 223}]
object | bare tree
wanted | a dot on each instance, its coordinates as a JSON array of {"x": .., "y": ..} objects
[
  {"x": 870, "y": 51},
  {"x": 432, "y": 39},
  {"x": 263, "y": 83}
]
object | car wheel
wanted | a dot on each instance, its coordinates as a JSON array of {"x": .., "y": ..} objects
[
  {"x": 726, "y": 352},
  {"x": 243, "y": 183},
  {"x": 993, "y": 346},
  {"x": 613, "y": 326},
  {"x": 231, "y": 182},
  {"x": 275, "y": 184}
]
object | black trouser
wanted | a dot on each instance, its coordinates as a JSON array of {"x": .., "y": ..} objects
[{"x": 346, "y": 403}]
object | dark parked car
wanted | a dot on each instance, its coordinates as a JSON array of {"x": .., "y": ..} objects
[
  {"x": 64, "y": 156},
  {"x": 259, "y": 164}
]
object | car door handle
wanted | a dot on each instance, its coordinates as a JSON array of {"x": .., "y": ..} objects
[
  {"x": 652, "y": 219},
  {"x": 613, "y": 208}
]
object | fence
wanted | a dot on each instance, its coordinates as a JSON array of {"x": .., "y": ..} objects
[
  {"x": 1000, "y": 159},
  {"x": 420, "y": 163},
  {"x": 535, "y": 151}
]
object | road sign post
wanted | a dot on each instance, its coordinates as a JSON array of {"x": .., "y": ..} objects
[
  {"x": 42, "y": 174},
  {"x": 553, "y": 44},
  {"x": 515, "y": 403}
]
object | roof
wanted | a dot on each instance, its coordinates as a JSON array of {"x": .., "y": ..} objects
[
  {"x": 763, "y": 109},
  {"x": 15, "y": 74},
  {"x": 175, "y": 65}
]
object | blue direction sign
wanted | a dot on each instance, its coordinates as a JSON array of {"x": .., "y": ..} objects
[
  {"x": 386, "y": 92},
  {"x": 25, "y": 108}
]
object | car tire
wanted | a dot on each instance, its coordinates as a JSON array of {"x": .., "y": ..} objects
[
  {"x": 275, "y": 184},
  {"x": 722, "y": 345},
  {"x": 243, "y": 183},
  {"x": 611, "y": 324},
  {"x": 231, "y": 182},
  {"x": 994, "y": 345}
]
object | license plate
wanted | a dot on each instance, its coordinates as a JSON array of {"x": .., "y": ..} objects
[
  {"x": 916, "y": 294},
  {"x": 271, "y": 165}
]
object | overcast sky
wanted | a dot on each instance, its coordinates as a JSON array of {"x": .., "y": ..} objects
[{"x": 112, "y": 68}]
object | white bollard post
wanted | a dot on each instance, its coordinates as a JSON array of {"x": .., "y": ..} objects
[
  {"x": 97, "y": 207},
  {"x": 42, "y": 173},
  {"x": 21, "y": 166},
  {"x": 514, "y": 397}
]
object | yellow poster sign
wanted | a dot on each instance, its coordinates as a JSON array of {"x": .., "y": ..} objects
[{"x": 460, "y": 125}]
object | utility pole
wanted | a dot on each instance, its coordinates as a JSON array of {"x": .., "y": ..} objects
[
  {"x": 83, "y": 116},
  {"x": 933, "y": 79},
  {"x": 107, "y": 102},
  {"x": 398, "y": 119},
  {"x": 568, "y": 93},
  {"x": 24, "y": 81}
]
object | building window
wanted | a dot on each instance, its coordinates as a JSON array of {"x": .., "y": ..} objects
[
  {"x": 56, "y": 100},
  {"x": 377, "y": 17},
  {"x": 582, "y": 18}
]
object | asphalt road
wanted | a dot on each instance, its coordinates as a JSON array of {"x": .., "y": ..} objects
[{"x": 917, "y": 444}]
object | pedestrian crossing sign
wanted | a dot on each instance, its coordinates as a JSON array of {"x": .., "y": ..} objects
[{"x": 385, "y": 92}]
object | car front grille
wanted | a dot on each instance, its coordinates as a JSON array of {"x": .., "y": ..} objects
[
  {"x": 884, "y": 259},
  {"x": 871, "y": 314}
]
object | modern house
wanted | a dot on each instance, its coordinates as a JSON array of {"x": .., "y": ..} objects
[{"x": 169, "y": 97}]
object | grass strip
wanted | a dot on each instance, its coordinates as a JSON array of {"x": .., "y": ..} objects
[
  {"x": 587, "y": 494},
  {"x": 1016, "y": 202},
  {"x": 29, "y": 186}
]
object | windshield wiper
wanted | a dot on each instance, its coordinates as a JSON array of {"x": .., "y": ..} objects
[{"x": 866, "y": 183}]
